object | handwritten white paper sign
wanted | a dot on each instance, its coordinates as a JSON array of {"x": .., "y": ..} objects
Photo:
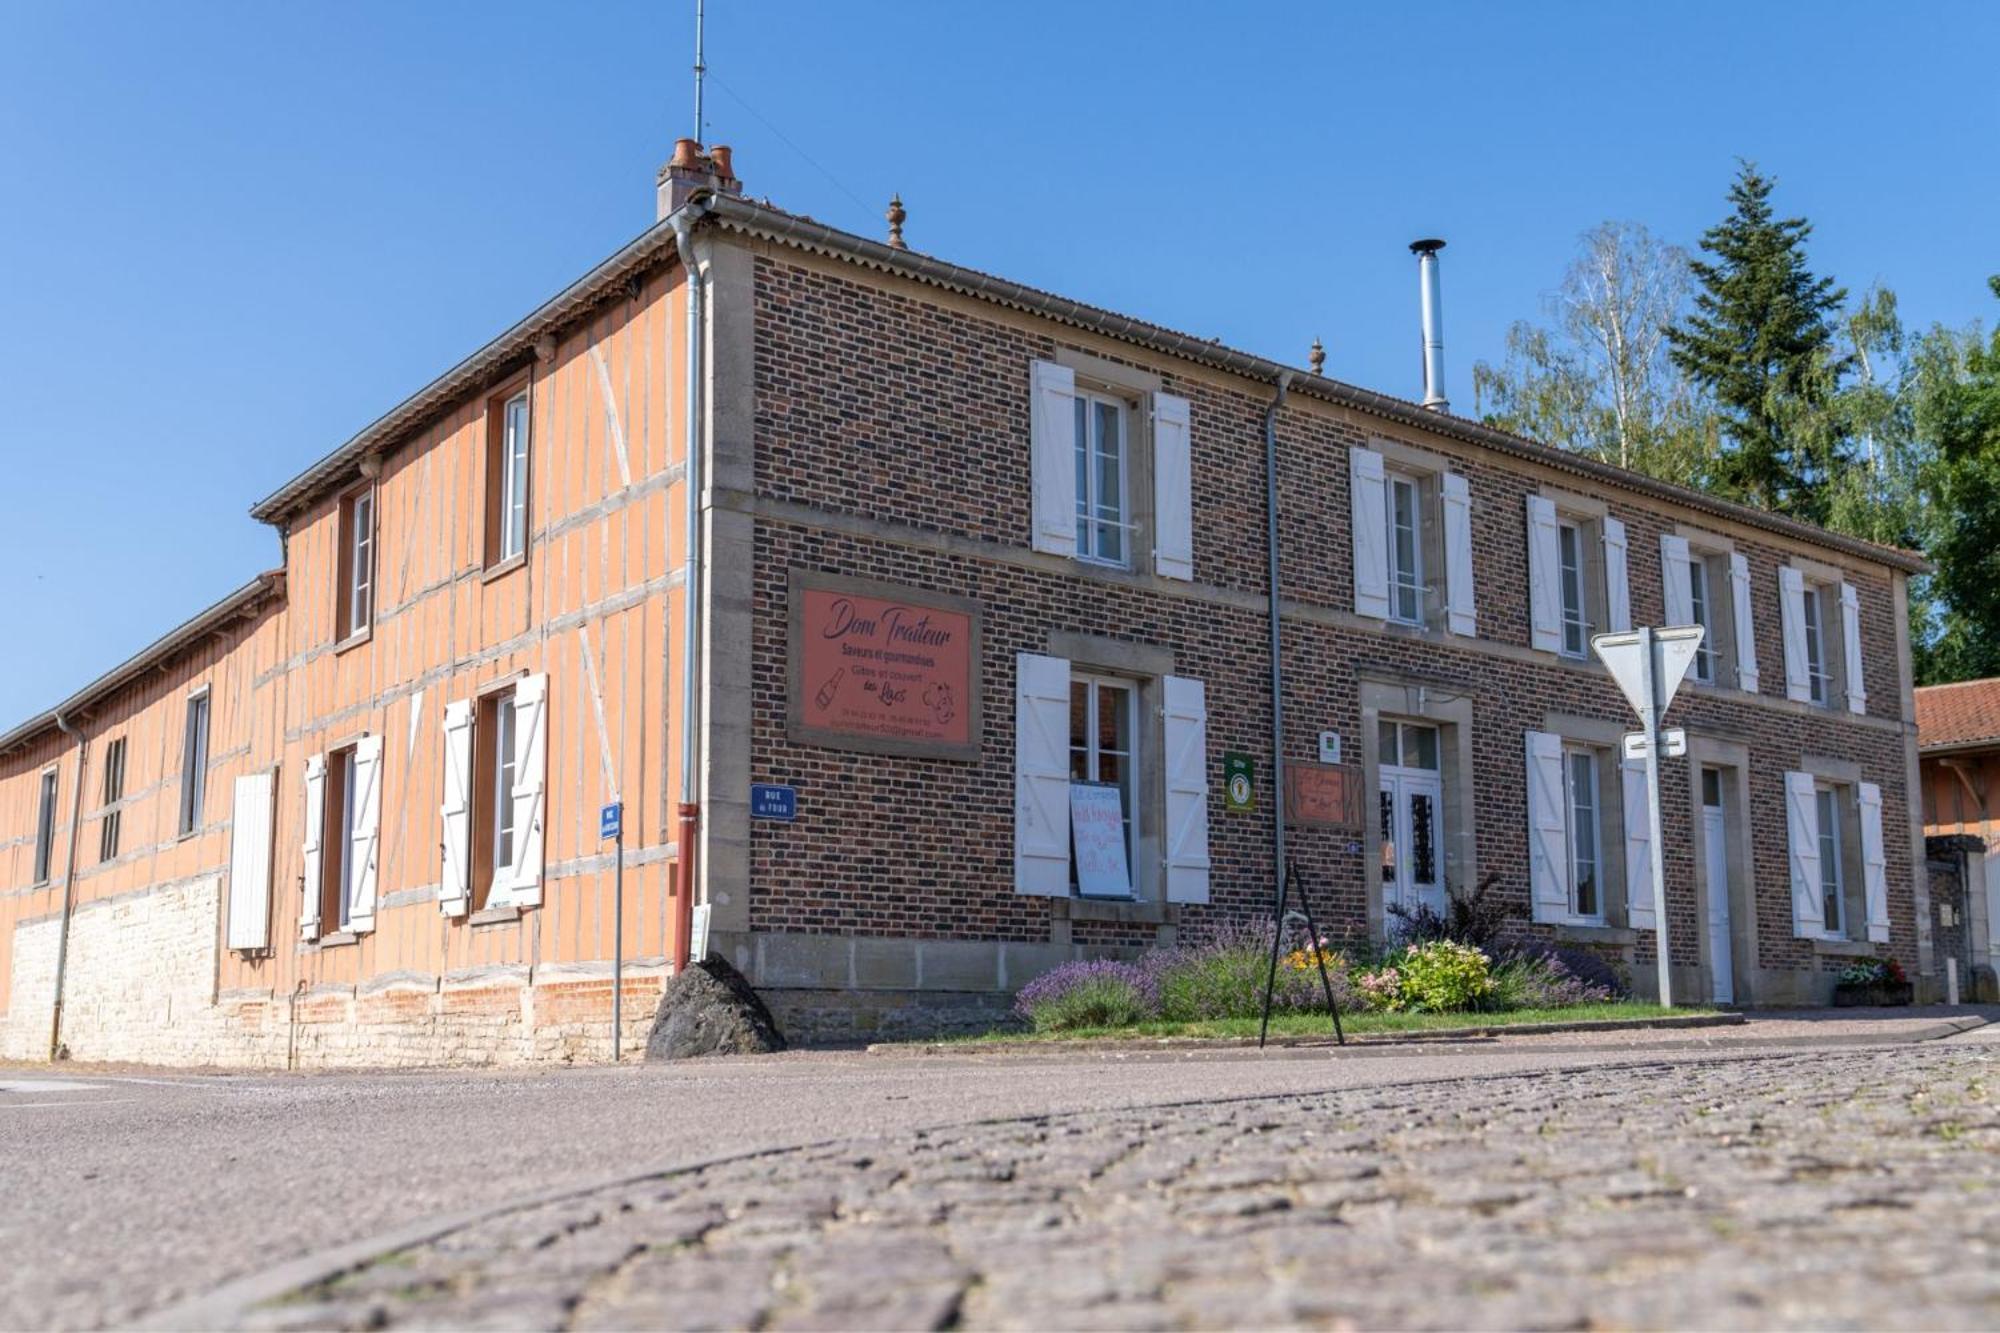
[{"x": 1097, "y": 823}]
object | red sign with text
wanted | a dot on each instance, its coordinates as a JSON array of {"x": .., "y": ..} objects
[{"x": 884, "y": 668}]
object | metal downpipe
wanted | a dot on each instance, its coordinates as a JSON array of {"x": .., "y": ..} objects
[
  {"x": 69, "y": 880},
  {"x": 689, "y": 828},
  {"x": 1277, "y": 647}
]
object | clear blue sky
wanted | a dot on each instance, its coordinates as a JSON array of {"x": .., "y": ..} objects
[{"x": 232, "y": 234}]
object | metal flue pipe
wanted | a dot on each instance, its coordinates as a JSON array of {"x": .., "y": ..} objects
[{"x": 1432, "y": 295}]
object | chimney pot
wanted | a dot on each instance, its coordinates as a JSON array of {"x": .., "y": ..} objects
[
  {"x": 687, "y": 154},
  {"x": 719, "y": 154}
]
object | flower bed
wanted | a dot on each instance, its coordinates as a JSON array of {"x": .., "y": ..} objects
[
  {"x": 1871, "y": 983},
  {"x": 1221, "y": 978}
]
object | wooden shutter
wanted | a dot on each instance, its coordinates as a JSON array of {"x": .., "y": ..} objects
[
  {"x": 1874, "y": 862},
  {"x": 1052, "y": 420},
  {"x": 1548, "y": 827},
  {"x": 1802, "y": 838},
  {"x": 455, "y": 884},
  {"x": 1676, "y": 579},
  {"x": 1187, "y": 790},
  {"x": 314, "y": 828},
  {"x": 531, "y": 750},
  {"x": 1544, "y": 569},
  {"x": 1638, "y": 847},
  {"x": 1173, "y": 488},
  {"x": 250, "y": 861},
  {"x": 1850, "y": 632},
  {"x": 1041, "y": 775},
  {"x": 1745, "y": 624},
  {"x": 1792, "y": 619},
  {"x": 1368, "y": 507},
  {"x": 367, "y": 844},
  {"x": 1455, "y": 498},
  {"x": 1617, "y": 579}
]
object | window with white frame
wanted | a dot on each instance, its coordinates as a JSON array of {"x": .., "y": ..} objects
[
  {"x": 1571, "y": 575},
  {"x": 336, "y": 884},
  {"x": 1832, "y": 873},
  {"x": 509, "y": 513},
  {"x": 1404, "y": 496},
  {"x": 45, "y": 829},
  {"x": 194, "y": 763},
  {"x": 1586, "y": 832},
  {"x": 1103, "y": 514},
  {"x": 495, "y": 773},
  {"x": 355, "y": 601},
  {"x": 1819, "y": 678},
  {"x": 1701, "y": 606},
  {"x": 1103, "y": 730}
]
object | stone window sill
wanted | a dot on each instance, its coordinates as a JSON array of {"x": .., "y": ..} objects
[
  {"x": 502, "y": 568},
  {"x": 1585, "y": 934},
  {"x": 1843, "y": 949},
  {"x": 337, "y": 939},
  {"x": 1131, "y": 913},
  {"x": 356, "y": 639},
  {"x": 494, "y": 916}
]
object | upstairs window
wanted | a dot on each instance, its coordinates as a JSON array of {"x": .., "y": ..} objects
[
  {"x": 45, "y": 828},
  {"x": 1102, "y": 510},
  {"x": 1406, "y": 549},
  {"x": 1819, "y": 680},
  {"x": 1700, "y": 606},
  {"x": 507, "y": 478},
  {"x": 114, "y": 792},
  {"x": 355, "y": 596},
  {"x": 1570, "y": 584},
  {"x": 194, "y": 763}
]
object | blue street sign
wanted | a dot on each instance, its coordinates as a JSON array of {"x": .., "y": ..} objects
[
  {"x": 768, "y": 800},
  {"x": 611, "y": 820}
]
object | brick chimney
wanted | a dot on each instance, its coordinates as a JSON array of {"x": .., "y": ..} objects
[{"x": 691, "y": 169}]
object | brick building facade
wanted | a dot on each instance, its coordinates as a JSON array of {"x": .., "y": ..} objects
[{"x": 983, "y": 588}]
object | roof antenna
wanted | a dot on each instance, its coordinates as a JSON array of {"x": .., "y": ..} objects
[{"x": 699, "y": 67}]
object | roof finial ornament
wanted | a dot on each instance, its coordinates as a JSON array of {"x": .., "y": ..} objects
[
  {"x": 1317, "y": 356},
  {"x": 896, "y": 214}
]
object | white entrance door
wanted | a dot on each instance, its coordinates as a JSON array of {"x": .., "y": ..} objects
[
  {"x": 1715, "y": 849},
  {"x": 1412, "y": 817}
]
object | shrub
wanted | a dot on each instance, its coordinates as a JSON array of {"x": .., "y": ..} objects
[
  {"x": 1477, "y": 918},
  {"x": 1381, "y": 989},
  {"x": 1222, "y": 975},
  {"x": 1443, "y": 976},
  {"x": 1100, "y": 993},
  {"x": 1543, "y": 981},
  {"x": 1586, "y": 965},
  {"x": 1873, "y": 972}
]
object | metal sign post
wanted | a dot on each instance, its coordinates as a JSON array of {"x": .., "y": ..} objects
[
  {"x": 611, "y": 824},
  {"x": 1649, "y": 665}
]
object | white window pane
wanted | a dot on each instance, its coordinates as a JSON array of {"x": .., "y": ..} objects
[{"x": 1385, "y": 743}]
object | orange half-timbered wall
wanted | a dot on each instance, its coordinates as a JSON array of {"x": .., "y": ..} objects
[{"x": 595, "y": 605}]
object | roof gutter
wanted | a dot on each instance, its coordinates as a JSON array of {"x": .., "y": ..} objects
[{"x": 191, "y": 631}]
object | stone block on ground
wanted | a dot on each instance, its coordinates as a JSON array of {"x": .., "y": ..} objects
[{"x": 710, "y": 1009}]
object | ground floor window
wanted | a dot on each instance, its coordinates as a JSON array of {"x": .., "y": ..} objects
[
  {"x": 1832, "y": 874},
  {"x": 1103, "y": 731},
  {"x": 495, "y": 756},
  {"x": 1586, "y": 832},
  {"x": 336, "y": 856}
]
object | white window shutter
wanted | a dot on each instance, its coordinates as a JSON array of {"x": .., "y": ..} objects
[
  {"x": 1455, "y": 498},
  {"x": 1187, "y": 790},
  {"x": 315, "y": 825},
  {"x": 1544, "y": 566},
  {"x": 455, "y": 883},
  {"x": 367, "y": 844},
  {"x": 531, "y": 761},
  {"x": 1617, "y": 579},
  {"x": 1638, "y": 848},
  {"x": 1850, "y": 629},
  {"x": 250, "y": 862},
  {"x": 1052, "y": 421},
  {"x": 1548, "y": 827},
  {"x": 1041, "y": 775},
  {"x": 1792, "y": 619},
  {"x": 1745, "y": 623},
  {"x": 1173, "y": 488},
  {"x": 1874, "y": 862},
  {"x": 1802, "y": 838},
  {"x": 1676, "y": 579},
  {"x": 1368, "y": 506}
]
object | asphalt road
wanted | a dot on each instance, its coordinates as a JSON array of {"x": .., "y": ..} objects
[{"x": 125, "y": 1193}]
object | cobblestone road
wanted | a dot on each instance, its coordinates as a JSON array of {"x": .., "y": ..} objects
[{"x": 1841, "y": 1188}]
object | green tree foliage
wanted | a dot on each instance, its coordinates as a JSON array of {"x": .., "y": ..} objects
[
  {"x": 1955, "y": 405},
  {"x": 1597, "y": 379},
  {"x": 1761, "y": 341}
]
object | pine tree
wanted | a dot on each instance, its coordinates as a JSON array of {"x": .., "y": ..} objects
[{"x": 1760, "y": 341}]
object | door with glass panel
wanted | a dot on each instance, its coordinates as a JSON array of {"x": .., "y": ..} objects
[
  {"x": 1411, "y": 792},
  {"x": 1715, "y": 854},
  {"x": 1103, "y": 721}
]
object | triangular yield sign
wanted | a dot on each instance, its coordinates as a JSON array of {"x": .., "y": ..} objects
[{"x": 1673, "y": 653}]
